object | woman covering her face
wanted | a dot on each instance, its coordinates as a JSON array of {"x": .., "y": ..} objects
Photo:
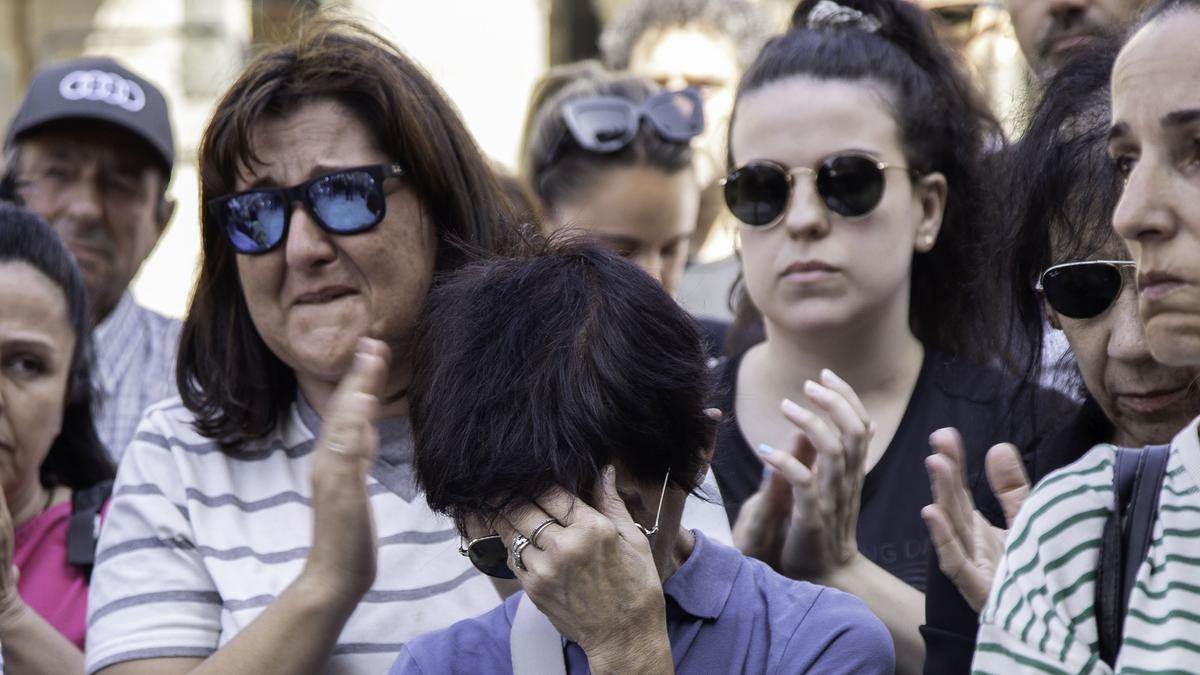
[
  {"x": 566, "y": 461},
  {"x": 856, "y": 149},
  {"x": 1042, "y": 609},
  {"x": 51, "y": 459},
  {"x": 268, "y": 521}
]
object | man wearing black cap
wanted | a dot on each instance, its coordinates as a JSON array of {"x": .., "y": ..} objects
[{"x": 90, "y": 150}]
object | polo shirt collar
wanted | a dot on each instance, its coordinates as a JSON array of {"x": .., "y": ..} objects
[
  {"x": 703, "y": 583},
  {"x": 115, "y": 342}
]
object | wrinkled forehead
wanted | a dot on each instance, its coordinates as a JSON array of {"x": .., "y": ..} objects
[
  {"x": 1158, "y": 71},
  {"x": 88, "y": 142}
]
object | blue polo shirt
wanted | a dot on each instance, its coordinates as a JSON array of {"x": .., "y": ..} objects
[{"x": 726, "y": 613}]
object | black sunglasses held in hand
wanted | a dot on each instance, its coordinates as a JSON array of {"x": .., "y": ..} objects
[
  {"x": 342, "y": 202},
  {"x": 1084, "y": 289},
  {"x": 605, "y": 124},
  {"x": 760, "y": 193}
]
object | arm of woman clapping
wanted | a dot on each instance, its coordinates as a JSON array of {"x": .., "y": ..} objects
[
  {"x": 297, "y": 632},
  {"x": 803, "y": 520},
  {"x": 593, "y": 575},
  {"x": 30, "y": 644}
]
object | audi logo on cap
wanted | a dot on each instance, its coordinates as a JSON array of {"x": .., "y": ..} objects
[{"x": 98, "y": 85}]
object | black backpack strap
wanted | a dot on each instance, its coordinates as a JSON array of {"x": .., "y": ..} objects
[
  {"x": 84, "y": 528},
  {"x": 1137, "y": 480}
]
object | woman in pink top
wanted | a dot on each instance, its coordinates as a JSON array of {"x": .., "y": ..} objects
[{"x": 49, "y": 451}]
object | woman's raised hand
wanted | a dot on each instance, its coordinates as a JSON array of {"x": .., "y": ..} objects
[
  {"x": 591, "y": 572},
  {"x": 342, "y": 558},
  {"x": 968, "y": 547},
  {"x": 803, "y": 520}
]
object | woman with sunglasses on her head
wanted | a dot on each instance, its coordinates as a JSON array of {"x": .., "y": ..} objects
[
  {"x": 609, "y": 156},
  {"x": 579, "y": 491},
  {"x": 269, "y": 522},
  {"x": 1063, "y": 189},
  {"x": 856, "y": 146},
  {"x": 1046, "y": 606},
  {"x": 51, "y": 460}
]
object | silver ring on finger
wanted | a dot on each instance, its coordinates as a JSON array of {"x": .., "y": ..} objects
[
  {"x": 518, "y": 544},
  {"x": 538, "y": 530}
]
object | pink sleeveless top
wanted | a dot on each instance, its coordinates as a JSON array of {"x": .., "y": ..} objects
[{"x": 50, "y": 585}]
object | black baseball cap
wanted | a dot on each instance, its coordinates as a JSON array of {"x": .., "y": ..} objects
[{"x": 97, "y": 89}]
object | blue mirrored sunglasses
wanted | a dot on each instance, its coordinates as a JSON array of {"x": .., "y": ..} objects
[{"x": 343, "y": 202}]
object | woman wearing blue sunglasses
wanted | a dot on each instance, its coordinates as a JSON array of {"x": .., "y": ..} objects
[
  {"x": 857, "y": 155},
  {"x": 268, "y": 521}
]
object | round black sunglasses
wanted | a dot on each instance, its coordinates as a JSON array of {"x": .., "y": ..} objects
[{"x": 850, "y": 184}]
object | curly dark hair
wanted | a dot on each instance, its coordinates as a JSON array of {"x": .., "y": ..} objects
[
  {"x": 744, "y": 23},
  {"x": 945, "y": 127},
  {"x": 1062, "y": 189}
]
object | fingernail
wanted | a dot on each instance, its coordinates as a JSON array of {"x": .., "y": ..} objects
[
  {"x": 813, "y": 389},
  {"x": 766, "y": 472},
  {"x": 829, "y": 375},
  {"x": 764, "y": 449},
  {"x": 791, "y": 406}
]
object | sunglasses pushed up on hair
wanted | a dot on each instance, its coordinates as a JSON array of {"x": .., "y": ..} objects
[
  {"x": 342, "y": 202},
  {"x": 851, "y": 185},
  {"x": 604, "y": 124},
  {"x": 1083, "y": 289}
]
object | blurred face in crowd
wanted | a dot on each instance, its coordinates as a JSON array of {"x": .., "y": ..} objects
[
  {"x": 99, "y": 188},
  {"x": 815, "y": 271},
  {"x": 694, "y": 56},
  {"x": 1155, "y": 142},
  {"x": 1147, "y": 402},
  {"x": 642, "y": 213},
  {"x": 36, "y": 346},
  {"x": 1048, "y": 29},
  {"x": 313, "y": 296}
]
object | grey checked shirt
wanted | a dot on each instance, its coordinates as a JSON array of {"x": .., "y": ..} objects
[{"x": 135, "y": 367}]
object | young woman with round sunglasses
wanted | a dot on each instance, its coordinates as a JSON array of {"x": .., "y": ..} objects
[
  {"x": 1064, "y": 262},
  {"x": 856, "y": 150},
  {"x": 1046, "y": 615},
  {"x": 584, "y": 484}
]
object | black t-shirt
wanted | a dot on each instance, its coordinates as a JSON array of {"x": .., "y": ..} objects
[
  {"x": 949, "y": 392},
  {"x": 950, "y": 623}
]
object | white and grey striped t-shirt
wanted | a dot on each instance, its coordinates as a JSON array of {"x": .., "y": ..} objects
[
  {"x": 1040, "y": 616},
  {"x": 197, "y": 542}
]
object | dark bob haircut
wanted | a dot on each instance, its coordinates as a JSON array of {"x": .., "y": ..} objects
[
  {"x": 77, "y": 459},
  {"x": 944, "y": 127},
  {"x": 536, "y": 372},
  {"x": 556, "y": 167},
  {"x": 228, "y": 378},
  {"x": 1062, "y": 191}
]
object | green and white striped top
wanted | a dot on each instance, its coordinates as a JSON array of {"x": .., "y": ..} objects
[{"x": 1040, "y": 616}]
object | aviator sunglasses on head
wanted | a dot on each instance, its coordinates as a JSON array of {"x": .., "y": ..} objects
[
  {"x": 605, "y": 124},
  {"x": 342, "y": 202},
  {"x": 489, "y": 554},
  {"x": 1084, "y": 289},
  {"x": 851, "y": 185}
]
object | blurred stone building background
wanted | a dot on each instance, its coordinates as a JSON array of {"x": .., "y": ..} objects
[{"x": 486, "y": 54}]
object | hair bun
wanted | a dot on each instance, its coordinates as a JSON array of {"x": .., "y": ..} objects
[{"x": 829, "y": 14}]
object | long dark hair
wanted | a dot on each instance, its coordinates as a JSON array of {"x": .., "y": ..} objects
[
  {"x": 77, "y": 459},
  {"x": 228, "y": 378},
  {"x": 1062, "y": 191},
  {"x": 944, "y": 126}
]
